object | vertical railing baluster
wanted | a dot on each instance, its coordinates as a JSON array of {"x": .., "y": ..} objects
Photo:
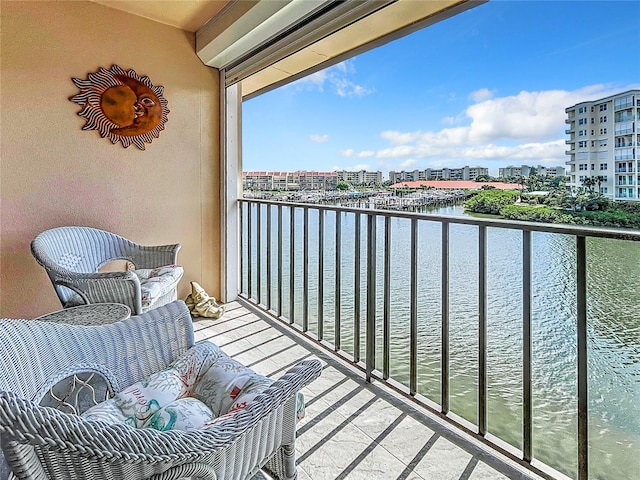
[
  {"x": 338, "y": 286},
  {"x": 320, "y": 274},
  {"x": 386, "y": 322},
  {"x": 371, "y": 296},
  {"x": 356, "y": 291},
  {"x": 279, "y": 260},
  {"x": 413, "y": 334},
  {"x": 241, "y": 214},
  {"x": 269, "y": 259},
  {"x": 482, "y": 330},
  {"x": 527, "y": 447},
  {"x": 249, "y": 251},
  {"x": 292, "y": 264},
  {"x": 445, "y": 372},
  {"x": 259, "y": 253},
  {"x": 305, "y": 272},
  {"x": 583, "y": 405}
]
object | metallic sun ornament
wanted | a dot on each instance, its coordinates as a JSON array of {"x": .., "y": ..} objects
[{"x": 122, "y": 106}]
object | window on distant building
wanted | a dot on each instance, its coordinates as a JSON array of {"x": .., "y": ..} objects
[
  {"x": 603, "y": 131},
  {"x": 603, "y": 166},
  {"x": 593, "y": 120},
  {"x": 593, "y": 166},
  {"x": 602, "y": 143},
  {"x": 603, "y": 119},
  {"x": 603, "y": 190},
  {"x": 603, "y": 107},
  {"x": 582, "y": 133},
  {"x": 582, "y": 144},
  {"x": 582, "y": 121}
]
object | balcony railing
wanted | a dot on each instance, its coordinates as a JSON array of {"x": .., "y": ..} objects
[{"x": 281, "y": 241}]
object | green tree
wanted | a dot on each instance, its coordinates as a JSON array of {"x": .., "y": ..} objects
[{"x": 343, "y": 185}]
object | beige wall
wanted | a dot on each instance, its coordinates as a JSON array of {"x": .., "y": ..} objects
[{"x": 52, "y": 173}]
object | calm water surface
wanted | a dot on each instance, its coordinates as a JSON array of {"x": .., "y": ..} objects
[{"x": 613, "y": 270}]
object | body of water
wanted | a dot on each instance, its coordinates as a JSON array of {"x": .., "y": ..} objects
[{"x": 613, "y": 282}]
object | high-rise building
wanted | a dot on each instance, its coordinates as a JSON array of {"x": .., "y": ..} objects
[{"x": 603, "y": 144}]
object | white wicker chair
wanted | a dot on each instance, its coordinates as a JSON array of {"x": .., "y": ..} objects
[
  {"x": 73, "y": 255},
  {"x": 40, "y": 442}
]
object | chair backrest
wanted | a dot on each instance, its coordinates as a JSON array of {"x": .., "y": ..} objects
[
  {"x": 33, "y": 353},
  {"x": 79, "y": 249},
  {"x": 62, "y": 250}
]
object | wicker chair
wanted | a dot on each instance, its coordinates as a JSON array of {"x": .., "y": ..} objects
[
  {"x": 41, "y": 442},
  {"x": 73, "y": 255}
]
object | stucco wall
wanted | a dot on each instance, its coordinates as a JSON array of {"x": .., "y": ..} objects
[{"x": 52, "y": 173}]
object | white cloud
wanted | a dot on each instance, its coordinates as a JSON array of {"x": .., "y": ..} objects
[
  {"x": 337, "y": 79},
  {"x": 524, "y": 128},
  {"x": 353, "y": 168},
  {"x": 353, "y": 154},
  {"x": 481, "y": 95},
  {"x": 319, "y": 138}
]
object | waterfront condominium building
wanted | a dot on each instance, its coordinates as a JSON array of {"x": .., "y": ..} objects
[
  {"x": 464, "y": 173},
  {"x": 526, "y": 170},
  {"x": 603, "y": 144},
  {"x": 360, "y": 177},
  {"x": 299, "y": 180}
]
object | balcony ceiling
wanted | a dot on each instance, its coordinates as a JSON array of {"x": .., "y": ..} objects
[
  {"x": 264, "y": 43},
  {"x": 187, "y": 15}
]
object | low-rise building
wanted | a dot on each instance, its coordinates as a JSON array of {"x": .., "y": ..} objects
[
  {"x": 360, "y": 177},
  {"x": 526, "y": 171},
  {"x": 463, "y": 173},
  {"x": 298, "y": 180}
]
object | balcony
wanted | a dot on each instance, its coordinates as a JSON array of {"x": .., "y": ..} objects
[
  {"x": 382, "y": 292},
  {"x": 353, "y": 429}
]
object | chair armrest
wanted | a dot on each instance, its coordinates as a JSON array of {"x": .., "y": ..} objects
[
  {"x": 155, "y": 256},
  {"x": 106, "y": 287},
  {"x": 25, "y": 422}
]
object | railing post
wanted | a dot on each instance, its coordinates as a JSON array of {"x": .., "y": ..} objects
[
  {"x": 305, "y": 273},
  {"x": 259, "y": 253},
  {"x": 386, "y": 322},
  {"x": 292, "y": 264},
  {"x": 269, "y": 259},
  {"x": 371, "y": 296},
  {"x": 320, "y": 274},
  {"x": 249, "y": 252},
  {"x": 356, "y": 291},
  {"x": 482, "y": 330},
  {"x": 527, "y": 413},
  {"x": 583, "y": 405},
  {"x": 445, "y": 373},
  {"x": 338, "y": 286},
  {"x": 241, "y": 214},
  {"x": 279, "y": 261},
  {"x": 413, "y": 334}
]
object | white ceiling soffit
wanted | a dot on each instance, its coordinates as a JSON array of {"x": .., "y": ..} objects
[
  {"x": 267, "y": 43},
  {"x": 346, "y": 32},
  {"x": 244, "y": 25}
]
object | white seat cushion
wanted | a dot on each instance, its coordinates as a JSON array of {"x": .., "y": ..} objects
[{"x": 156, "y": 282}]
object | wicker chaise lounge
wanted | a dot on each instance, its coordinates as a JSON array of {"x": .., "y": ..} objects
[{"x": 39, "y": 359}]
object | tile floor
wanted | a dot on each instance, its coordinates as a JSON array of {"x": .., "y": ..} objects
[{"x": 353, "y": 429}]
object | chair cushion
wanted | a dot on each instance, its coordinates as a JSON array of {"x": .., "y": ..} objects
[
  {"x": 200, "y": 386},
  {"x": 156, "y": 282}
]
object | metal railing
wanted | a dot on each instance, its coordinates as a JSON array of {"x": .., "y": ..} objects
[{"x": 254, "y": 212}]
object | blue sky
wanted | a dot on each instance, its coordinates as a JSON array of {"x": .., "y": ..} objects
[{"x": 487, "y": 87}]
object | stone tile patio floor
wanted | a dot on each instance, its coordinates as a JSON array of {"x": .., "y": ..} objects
[{"x": 353, "y": 429}]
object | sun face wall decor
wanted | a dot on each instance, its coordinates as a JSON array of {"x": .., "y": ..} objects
[{"x": 122, "y": 106}]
